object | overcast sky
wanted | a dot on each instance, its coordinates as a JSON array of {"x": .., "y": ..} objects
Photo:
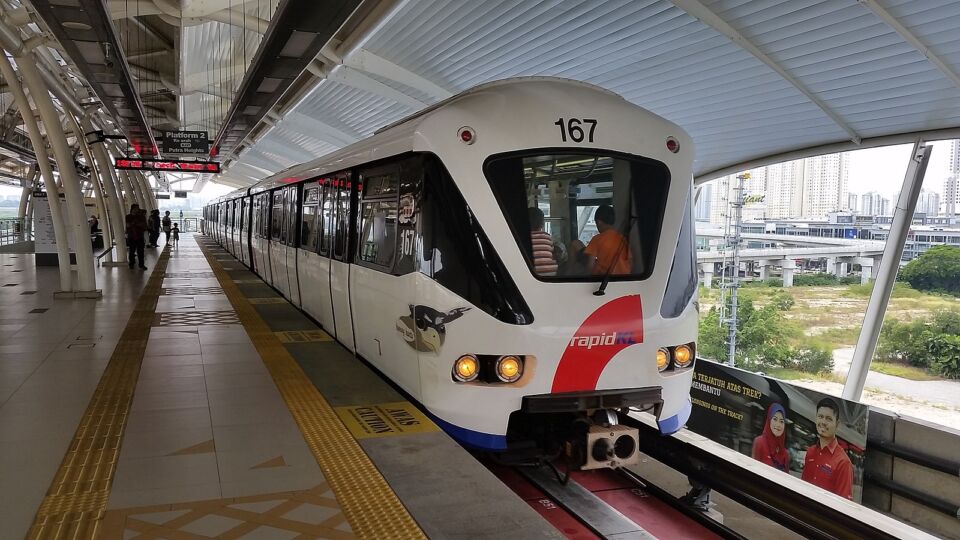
[{"x": 875, "y": 169}]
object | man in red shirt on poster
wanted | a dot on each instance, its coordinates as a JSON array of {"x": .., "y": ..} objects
[{"x": 826, "y": 464}]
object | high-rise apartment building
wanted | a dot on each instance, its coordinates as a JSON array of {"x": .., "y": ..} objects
[
  {"x": 951, "y": 193},
  {"x": 852, "y": 202},
  {"x": 929, "y": 203},
  {"x": 701, "y": 210},
  {"x": 784, "y": 197},
  {"x": 874, "y": 204},
  {"x": 824, "y": 184},
  {"x": 754, "y": 192},
  {"x": 954, "y": 158}
]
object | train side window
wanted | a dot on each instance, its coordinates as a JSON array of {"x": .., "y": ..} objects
[
  {"x": 341, "y": 237},
  {"x": 276, "y": 215},
  {"x": 292, "y": 223},
  {"x": 265, "y": 215},
  {"x": 378, "y": 217},
  {"x": 326, "y": 216},
  {"x": 309, "y": 221}
]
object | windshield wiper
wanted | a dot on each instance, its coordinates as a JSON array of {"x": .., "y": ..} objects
[{"x": 606, "y": 276}]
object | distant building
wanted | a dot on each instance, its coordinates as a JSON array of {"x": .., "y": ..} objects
[
  {"x": 852, "y": 200},
  {"x": 873, "y": 203},
  {"x": 928, "y": 203},
  {"x": 951, "y": 192},
  {"x": 824, "y": 184},
  {"x": 701, "y": 210}
]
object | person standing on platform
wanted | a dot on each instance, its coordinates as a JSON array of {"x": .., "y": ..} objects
[
  {"x": 136, "y": 227},
  {"x": 165, "y": 223},
  {"x": 153, "y": 225},
  {"x": 176, "y": 235},
  {"x": 826, "y": 464}
]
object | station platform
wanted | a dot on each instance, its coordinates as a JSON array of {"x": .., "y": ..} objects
[{"x": 192, "y": 401}]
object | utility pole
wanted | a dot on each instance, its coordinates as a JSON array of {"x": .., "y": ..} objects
[{"x": 733, "y": 241}]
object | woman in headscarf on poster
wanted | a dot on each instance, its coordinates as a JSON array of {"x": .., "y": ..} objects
[{"x": 770, "y": 447}]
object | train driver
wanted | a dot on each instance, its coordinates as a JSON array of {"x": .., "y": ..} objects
[{"x": 608, "y": 251}]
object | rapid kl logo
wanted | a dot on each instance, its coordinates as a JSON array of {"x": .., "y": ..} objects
[
  {"x": 613, "y": 327},
  {"x": 611, "y": 338}
]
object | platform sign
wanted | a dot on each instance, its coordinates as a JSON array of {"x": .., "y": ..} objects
[
  {"x": 44, "y": 236},
  {"x": 167, "y": 165},
  {"x": 185, "y": 142},
  {"x": 163, "y": 195},
  {"x": 782, "y": 425},
  {"x": 179, "y": 194}
]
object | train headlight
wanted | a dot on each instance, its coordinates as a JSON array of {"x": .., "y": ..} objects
[
  {"x": 663, "y": 359},
  {"x": 682, "y": 355},
  {"x": 466, "y": 368},
  {"x": 509, "y": 368}
]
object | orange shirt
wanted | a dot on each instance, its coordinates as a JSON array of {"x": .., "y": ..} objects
[{"x": 605, "y": 247}]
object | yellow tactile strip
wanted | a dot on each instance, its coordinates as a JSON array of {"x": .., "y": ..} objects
[
  {"x": 75, "y": 502},
  {"x": 371, "y": 507},
  {"x": 274, "y": 513}
]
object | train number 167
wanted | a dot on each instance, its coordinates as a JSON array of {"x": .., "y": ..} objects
[{"x": 573, "y": 128}]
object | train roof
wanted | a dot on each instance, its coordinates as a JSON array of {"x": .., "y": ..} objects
[{"x": 392, "y": 139}]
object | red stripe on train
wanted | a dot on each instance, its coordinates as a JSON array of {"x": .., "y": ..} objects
[{"x": 613, "y": 327}]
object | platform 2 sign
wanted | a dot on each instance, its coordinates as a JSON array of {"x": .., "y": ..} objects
[
  {"x": 185, "y": 142},
  {"x": 384, "y": 420},
  {"x": 785, "y": 426}
]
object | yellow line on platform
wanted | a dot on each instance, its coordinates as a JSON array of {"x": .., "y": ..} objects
[
  {"x": 371, "y": 507},
  {"x": 77, "y": 498}
]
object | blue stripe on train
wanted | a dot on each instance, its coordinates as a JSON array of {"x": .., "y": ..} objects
[
  {"x": 473, "y": 439},
  {"x": 677, "y": 421}
]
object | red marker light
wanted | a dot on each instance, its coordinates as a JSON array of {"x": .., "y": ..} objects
[
  {"x": 467, "y": 135},
  {"x": 673, "y": 145}
]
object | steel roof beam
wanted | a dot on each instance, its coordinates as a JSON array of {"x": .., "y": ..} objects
[
  {"x": 913, "y": 40},
  {"x": 297, "y": 32},
  {"x": 365, "y": 60},
  {"x": 711, "y": 19},
  {"x": 357, "y": 79},
  {"x": 98, "y": 55}
]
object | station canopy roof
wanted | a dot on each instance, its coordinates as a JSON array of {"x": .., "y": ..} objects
[{"x": 752, "y": 81}]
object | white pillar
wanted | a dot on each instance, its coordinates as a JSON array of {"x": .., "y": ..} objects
[
  {"x": 707, "y": 274},
  {"x": 46, "y": 171},
  {"x": 866, "y": 269},
  {"x": 147, "y": 190},
  {"x": 98, "y": 195},
  {"x": 832, "y": 265},
  {"x": 86, "y": 282},
  {"x": 841, "y": 268},
  {"x": 114, "y": 201},
  {"x": 132, "y": 191},
  {"x": 764, "y": 269},
  {"x": 887, "y": 274},
  {"x": 788, "y": 266}
]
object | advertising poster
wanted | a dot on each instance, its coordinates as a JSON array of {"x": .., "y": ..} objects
[{"x": 813, "y": 436}]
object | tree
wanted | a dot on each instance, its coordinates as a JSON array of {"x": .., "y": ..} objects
[{"x": 937, "y": 269}]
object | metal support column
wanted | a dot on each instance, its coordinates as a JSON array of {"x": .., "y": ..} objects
[
  {"x": 887, "y": 274},
  {"x": 46, "y": 171},
  {"x": 86, "y": 281},
  {"x": 114, "y": 201},
  {"x": 99, "y": 197},
  {"x": 27, "y": 187}
]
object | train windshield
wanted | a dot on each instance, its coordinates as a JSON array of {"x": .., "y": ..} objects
[{"x": 580, "y": 216}]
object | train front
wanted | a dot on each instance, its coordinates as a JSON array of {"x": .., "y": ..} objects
[{"x": 585, "y": 200}]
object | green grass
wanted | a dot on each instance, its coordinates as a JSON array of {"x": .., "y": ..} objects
[
  {"x": 792, "y": 374},
  {"x": 903, "y": 370}
]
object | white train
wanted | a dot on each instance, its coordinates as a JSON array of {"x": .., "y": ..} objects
[{"x": 519, "y": 259}]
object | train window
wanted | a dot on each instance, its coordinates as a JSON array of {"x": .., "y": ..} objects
[
  {"x": 309, "y": 221},
  {"x": 264, "y": 215},
  {"x": 582, "y": 216},
  {"x": 284, "y": 197},
  {"x": 457, "y": 253},
  {"x": 326, "y": 216},
  {"x": 683, "y": 273},
  {"x": 341, "y": 238},
  {"x": 378, "y": 233},
  {"x": 291, "y": 217},
  {"x": 276, "y": 215},
  {"x": 380, "y": 182}
]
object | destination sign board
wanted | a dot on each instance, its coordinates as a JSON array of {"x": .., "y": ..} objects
[
  {"x": 179, "y": 194},
  {"x": 185, "y": 142},
  {"x": 167, "y": 165}
]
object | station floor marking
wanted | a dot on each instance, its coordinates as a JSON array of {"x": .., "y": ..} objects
[
  {"x": 75, "y": 503},
  {"x": 298, "y": 336},
  {"x": 195, "y": 318},
  {"x": 267, "y": 300},
  {"x": 371, "y": 507},
  {"x": 385, "y": 420}
]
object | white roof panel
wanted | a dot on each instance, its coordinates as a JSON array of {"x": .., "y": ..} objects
[{"x": 747, "y": 79}]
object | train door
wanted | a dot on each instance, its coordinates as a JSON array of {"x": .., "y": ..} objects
[
  {"x": 261, "y": 232},
  {"x": 340, "y": 262},
  {"x": 310, "y": 280},
  {"x": 293, "y": 224},
  {"x": 278, "y": 239},
  {"x": 383, "y": 281},
  {"x": 327, "y": 215},
  {"x": 245, "y": 231},
  {"x": 232, "y": 227}
]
